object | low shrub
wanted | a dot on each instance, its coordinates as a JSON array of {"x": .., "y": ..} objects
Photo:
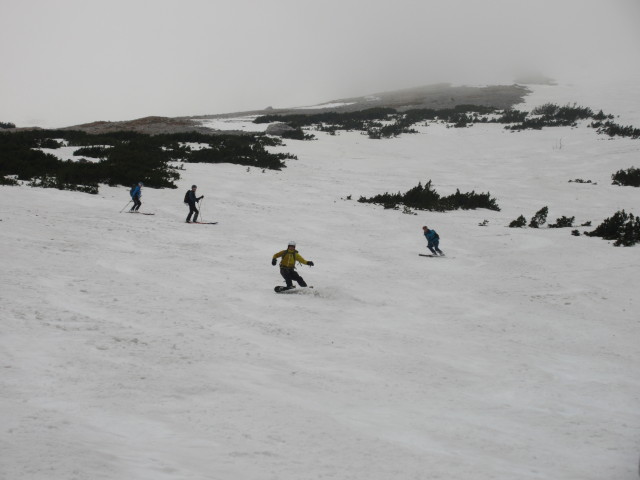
[
  {"x": 297, "y": 134},
  {"x": 563, "y": 222},
  {"x": 92, "y": 152},
  {"x": 519, "y": 222},
  {"x": 539, "y": 218},
  {"x": 126, "y": 157},
  {"x": 51, "y": 181},
  {"x": 426, "y": 198},
  {"x": 622, "y": 227},
  {"x": 7, "y": 180},
  {"x": 629, "y": 177},
  {"x": 579, "y": 180}
]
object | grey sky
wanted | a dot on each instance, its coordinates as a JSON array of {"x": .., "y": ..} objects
[{"x": 66, "y": 62}]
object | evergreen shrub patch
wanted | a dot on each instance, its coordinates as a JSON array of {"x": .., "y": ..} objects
[
  {"x": 580, "y": 180},
  {"x": 629, "y": 177},
  {"x": 92, "y": 152},
  {"x": 427, "y": 198},
  {"x": 563, "y": 222},
  {"x": 622, "y": 227},
  {"x": 614, "y": 130},
  {"x": 519, "y": 222},
  {"x": 7, "y": 180},
  {"x": 125, "y": 157},
  {"x": 539, "y": 218},
  {"x": 373, "y": 121}
]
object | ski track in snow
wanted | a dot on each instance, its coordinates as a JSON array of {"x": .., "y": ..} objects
[{"x": 139, "y": 347}]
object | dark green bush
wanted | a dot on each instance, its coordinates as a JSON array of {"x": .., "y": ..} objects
[
  {"x": 629, "y": 177},
  {"x": 7, "y": 181},
  {"x": 622, "y": 227},
  {"x": 297, "y": 134},
  {"x": 426, "y": 198},
  {"x": 126, "y": 157},
  {"x": 614, "y": 130},
  {"x": 539, "y": 218},
  {"x": 46, "y": 181},
  {"x": 519, "y": 222},
  {"x": 50, "y": 143},
  {"x": 579, "y": 180},
  {"x": 563, "y": 222},
  {"x": 92, "y": 152}
]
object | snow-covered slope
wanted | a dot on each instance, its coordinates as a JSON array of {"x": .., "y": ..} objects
[{"x": 139, "y": 347}]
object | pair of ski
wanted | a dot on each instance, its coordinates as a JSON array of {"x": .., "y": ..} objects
[
  {"x": 430, "y": 255},
  {"x": 198, "y": 223}
]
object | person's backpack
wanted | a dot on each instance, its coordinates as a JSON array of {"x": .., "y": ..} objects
[
  {"x": 186, "y": 197},
  {"x": 436, "y": 236}
]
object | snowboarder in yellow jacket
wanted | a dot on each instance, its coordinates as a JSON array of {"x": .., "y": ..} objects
[{"x": 288, "y": 264}]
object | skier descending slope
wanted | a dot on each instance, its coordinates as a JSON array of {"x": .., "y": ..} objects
[
  {"x": 288, "y": 266},
  {"x": 136, "y": 193},
  {"x": 433, "y": 240}
]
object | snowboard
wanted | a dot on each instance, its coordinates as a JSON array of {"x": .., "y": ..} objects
[
  {"x": 280, "y": 289},
  {"x": 284, "y": 289}
]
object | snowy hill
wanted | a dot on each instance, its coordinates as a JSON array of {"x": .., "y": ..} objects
[{"x": 138, "y": 347}]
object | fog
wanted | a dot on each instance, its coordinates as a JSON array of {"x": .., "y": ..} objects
[{"x": 75, "y": 61}]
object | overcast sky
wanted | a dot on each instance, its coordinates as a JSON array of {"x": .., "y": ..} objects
[{"x": 66, "y": 62}]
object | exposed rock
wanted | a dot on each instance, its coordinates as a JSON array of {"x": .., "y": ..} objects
[
  {"x": 148, "y": 125},
  {"x": 278, "y": 129}
]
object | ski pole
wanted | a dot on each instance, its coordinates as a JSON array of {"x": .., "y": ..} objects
[
  {"x": 201, "y": 202},
  {"x": 126, "y": 206}
]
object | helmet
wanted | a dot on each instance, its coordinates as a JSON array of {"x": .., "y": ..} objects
[
  {"x": 141, "y": 184},
  {"x": 194, "y": 186},
  {"x": 291, "y": 243}
]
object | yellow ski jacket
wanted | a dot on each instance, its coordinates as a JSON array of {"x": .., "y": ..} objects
[{"x": 289, "y": 259}]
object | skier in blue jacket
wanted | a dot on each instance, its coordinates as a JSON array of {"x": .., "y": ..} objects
[
  {"x": 191, "y": 199},
  {"x": 136, "y": 193},
  {"x": 433, "y": 239}
]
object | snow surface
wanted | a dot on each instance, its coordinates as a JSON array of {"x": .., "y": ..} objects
[
  {"x": 240, "y": 123},
  {"x": 65, "y": 153},
  {"x": 139, "y": 347}
]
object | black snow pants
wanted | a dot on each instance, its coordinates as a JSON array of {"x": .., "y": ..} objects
[
  {"x": 289, "y": 274},
  {"x": 136, "y": 203},
  {"x": 192, "y": 210}
]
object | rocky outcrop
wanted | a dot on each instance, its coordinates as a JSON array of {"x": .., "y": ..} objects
[
  {"x": 278, "y": 129},
  {"x": 148, "y": 125}
]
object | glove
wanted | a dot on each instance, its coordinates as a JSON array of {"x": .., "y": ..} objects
[
  {"x": 310, "y": 263},
  {"x": 274, "y": 261},
  {"x": 201, "y": 197}
]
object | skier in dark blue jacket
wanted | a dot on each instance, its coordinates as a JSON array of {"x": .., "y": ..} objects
[
  {"x": 433, "y": 239},
  {"x": 191, "y": 199},
  {"x": 136, "y": 193}
]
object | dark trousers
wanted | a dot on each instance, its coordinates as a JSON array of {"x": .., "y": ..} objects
[
  {"x": 136, "y": 204},
  {"x": 192, "y": 210},
  {"x": 289, "y": 274},
  {"x": 433, "y": 246}
]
